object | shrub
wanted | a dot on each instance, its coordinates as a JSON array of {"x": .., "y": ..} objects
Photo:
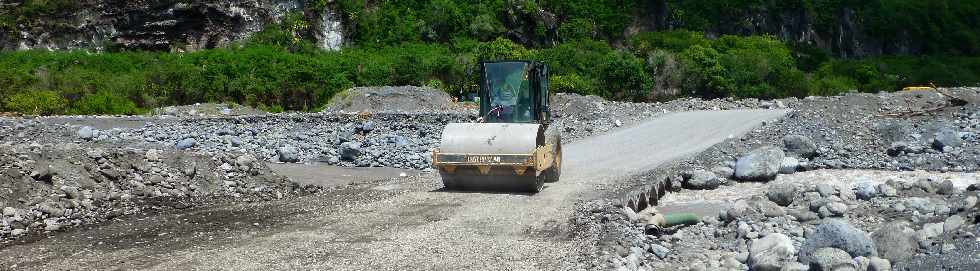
[
  {"x": 104, "y": 103},
  {"x": 623, "y": 77},
  {"x": 43, "y": 102},
  {"x": 502, "y": 49},
  {"x": 577, "y": 29},
  {"x": 703, "y": 73},
  {"x": 571, "y": 83}
]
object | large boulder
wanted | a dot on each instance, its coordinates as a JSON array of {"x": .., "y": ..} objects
[
  {"x": 350, "y": 151},
  {"x": 894, "y": 241},
  {"x": 701, "y": 179},
  {"x": 799, "y": 145},
  {"x": 86, "y": 133},
  {"x": 761, "y": 164},
  {"x": 782, "y": 193},
  {"x": 837, "y": 234},
  {"x": 946, "y": 137},
  {"x": 832, "y": 259},
  {"x": 186, "y": 143},
  {"x": 789, "y": 165},
  {"x": 288, "y": 154},
  {"x": 723, "y": 172},
  {"x": 865, "y": 190},
  {"x": 771, "y": 252}
]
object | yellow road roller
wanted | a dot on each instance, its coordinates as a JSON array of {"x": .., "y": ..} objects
[{"x": 512, "y": 146}]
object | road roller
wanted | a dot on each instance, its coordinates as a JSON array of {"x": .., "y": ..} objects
[{"x": 512, "y": 146}]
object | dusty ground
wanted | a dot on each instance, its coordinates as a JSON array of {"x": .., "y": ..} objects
[{"x": 395, "y": 224}]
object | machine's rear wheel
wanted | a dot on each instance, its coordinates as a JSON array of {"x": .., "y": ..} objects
[{"x": 535, "y": 184}]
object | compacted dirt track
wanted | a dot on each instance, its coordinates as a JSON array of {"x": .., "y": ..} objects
[{"x": 397, "y": 224}]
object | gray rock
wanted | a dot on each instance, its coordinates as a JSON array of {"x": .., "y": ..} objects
[
  {"x": 831, "y": 259},
  {"x": 659, "y": 250},
  {"x": 837, "y": 208},
  {"x": 879, "y": 264},
  {"x": 887, "y": 190},
  {"x": 782, "y": 193},
  {"x": 51, "y": 225},
  {"x": 929, "y": 231},
  {"x": 894, "y": 242},
  {"x": 18, "y": 232},
  {"x": 803, "y": 215},
  {"x": 9, "y": 211},
  {"x": 71, "y": 192},
  {"x": 367, "y": 127},
  {"x": 953, "y": 223},
  {"x": 946, "y": 137},
  {"x": 86, "y": 133},
  {"x": 837, "y": 234},
  {"x": 794, "y": 266},
  {"x": 701, "y": 179},
  {"x": 865, "y": 190},
  {"x": 739, "y": 209},
  {"x": 288, "y": 154},
  {"x": 350, "y": 151},
  {"x": 186, "y": 143},
  {"x": 155, "y": 179},
  {"x": 898, "y": 148},
  {"x": 862, "y": 263},
  {"x": 771, "y": 252},
  {"x": 153, "y": 155},
  {"x": 769, "y": 208},
  {"x": 826, "y": 190},
  {"x": 925, "y": 185},
  {"x": 946, "y": 188},
  {"x": 245, "y": 161},
  {"x": 800, "y": 145},
  {"x": 235, "y": 141},
  {"x": 398, "y": 140},
  {"x": 51, "y": 209},
  {"x": 723, "y": 172},
  {"x": 761, "y": 164},
  {"x": 789, "y": 165},
  {"x": 825, "y": 212},
  {"x": 227, "y": 131},
  {"x": 923, "y": 205}
]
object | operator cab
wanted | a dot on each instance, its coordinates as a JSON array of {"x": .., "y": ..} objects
[{"x": 514, "y": 92}]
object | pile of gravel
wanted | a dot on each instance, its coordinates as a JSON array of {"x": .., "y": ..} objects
[
  {"x": 49, "y": 187},
  {"x": 206, "y": 110},
  {"x": 390, "y": 99}
]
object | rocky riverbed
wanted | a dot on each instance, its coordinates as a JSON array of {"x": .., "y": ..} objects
[
  {"x": 834, "y": 168},
  {"x": 797, "y": 194}
]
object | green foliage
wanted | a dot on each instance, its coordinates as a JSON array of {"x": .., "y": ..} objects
[
  {"x": 624, "y": 78},
  {"x": 675, "y": 40},
  {"x": 502, "y": 49},
  {"x": 572, "y": 83},
  {"x": 104, "y": 103},
  {"x": 40, "y": 102},
  {"x": 704, "y": 74},
  {"x": 576, "y": 30},
  {"x": 486, "y": 27},
  {"x": 28, "y": 11},
  {"x": 438, "y": 42}
]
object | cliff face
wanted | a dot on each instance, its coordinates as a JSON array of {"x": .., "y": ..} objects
[
  {"x": 162, "y": 24},
  {"x": 843, "y": 35},
  {"x": 201, "y": 24}
]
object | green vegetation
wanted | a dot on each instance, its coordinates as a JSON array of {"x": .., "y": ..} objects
[{"x": 436, "y": 43}]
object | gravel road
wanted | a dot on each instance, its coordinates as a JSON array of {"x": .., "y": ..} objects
[{"x": 395, "y": 224}]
